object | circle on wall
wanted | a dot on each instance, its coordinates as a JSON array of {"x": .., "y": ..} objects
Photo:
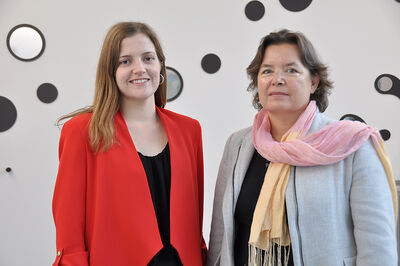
[
  {"x": 211, "y": 63},
  {"x": 352, "y": 117},
  {"x": 385, "y": 83},
  {"x": 295, "y": 5},
  {"x": 385, "y": 134},
  {"x": 26, "y": 42},
  {"x": 8, "y": 114},
  {"x": 254, "y": 10},
  {"x": 174, "y": 84},
  {"x": 47, "y": 93},
  {"x": 388, "y": 84}
]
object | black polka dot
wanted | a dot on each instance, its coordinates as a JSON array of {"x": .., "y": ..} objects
[
  {"x": 8, "y": 114},
  {"x": 295, "y": 5},
  {"x": 47, "y": 93},
  {"x": 352, "y": 117},
  {"x": 211, "y": 63},
  {"x": 385, "y": 134},
  {"x": 254, "y": 10},
  {"x": 388, "y": 84}
]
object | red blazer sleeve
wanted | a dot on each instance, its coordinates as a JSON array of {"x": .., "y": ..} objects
[
  {"x": 200, "y": 177},
  {"x": 69, "y": 197}
]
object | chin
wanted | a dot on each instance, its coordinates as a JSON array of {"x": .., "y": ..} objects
[
  {"x": 138, "y": 97},
  {"x": 275, "y": 107}
]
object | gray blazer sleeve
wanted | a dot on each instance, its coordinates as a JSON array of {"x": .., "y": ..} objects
[
  {"x": 372, "y": 210},
  {"x": 217, "y": 225}
]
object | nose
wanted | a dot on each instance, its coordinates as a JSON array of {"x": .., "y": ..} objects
[
  {"x": 138, "y": 67},
  {"x": 277, "y": 79}
]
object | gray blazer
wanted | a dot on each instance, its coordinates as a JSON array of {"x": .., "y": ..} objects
[{"x": 339, "y": 214}]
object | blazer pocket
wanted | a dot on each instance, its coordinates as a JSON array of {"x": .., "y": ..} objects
[{"x": 350, "y": 261}]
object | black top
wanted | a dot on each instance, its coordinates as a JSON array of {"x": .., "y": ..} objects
[
  {"x": 158, "y": 172},
  {"x": 246, "y": 205}
]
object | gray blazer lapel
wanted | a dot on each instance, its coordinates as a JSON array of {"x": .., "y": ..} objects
[{"x": 246, "y": 151}]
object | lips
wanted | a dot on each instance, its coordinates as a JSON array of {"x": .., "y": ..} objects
[
  {"x": 139, "y": 81},
  {"x": 277, "y": 93}
]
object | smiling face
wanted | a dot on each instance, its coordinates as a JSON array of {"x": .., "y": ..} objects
[
  {"x": 138, "y": 71},
  {"x": 284, "y": 83}
]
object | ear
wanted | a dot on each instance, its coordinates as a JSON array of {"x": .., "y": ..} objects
[{"x": 314, "y": 83}]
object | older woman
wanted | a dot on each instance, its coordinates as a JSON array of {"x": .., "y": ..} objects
[
  {"x": 129, "y": 189},
  {"x": 298, "y": 188}
]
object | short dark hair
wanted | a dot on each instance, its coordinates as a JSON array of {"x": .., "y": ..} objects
[{"x": 308, "y": 57}]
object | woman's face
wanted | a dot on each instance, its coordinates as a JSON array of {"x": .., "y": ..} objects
[
  {"x": 138, "y": 71},
  {"x": 284, "y": 83}
]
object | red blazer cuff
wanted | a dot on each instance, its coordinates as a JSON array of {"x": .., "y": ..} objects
[{"x": 72, "y": 259}]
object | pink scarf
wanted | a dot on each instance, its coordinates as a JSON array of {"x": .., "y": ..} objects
[{"x": 329, "y": 145}]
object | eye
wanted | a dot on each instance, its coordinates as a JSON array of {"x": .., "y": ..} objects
[
  {"x": 267, "y": 71},
  {"x": 149, "y": 58},
  {"x": 292, "y": 70},
  {"x": 124, "y": 62}
]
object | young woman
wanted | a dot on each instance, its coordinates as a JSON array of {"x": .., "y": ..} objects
[
  {"x": 129, "y": 189},
  {"x": 298, "y": 188}
]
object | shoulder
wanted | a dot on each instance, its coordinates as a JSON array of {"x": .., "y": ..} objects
[
  {"x": 79, "y": 120},
  {"x": 75, "y": 134},
  {"x": 181, "y": 120},
  {"x": 367, "y": 155},
  {"x": 320, "y": 121},
  {"x": 235, "y": 141},
  {"x": 238, "y": 137},
  {"x": 77, "y": 124}
]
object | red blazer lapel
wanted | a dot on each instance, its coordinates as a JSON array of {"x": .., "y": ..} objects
[
  {"x": 134, "y": 193},
  {"x": 185, "y": 198}
]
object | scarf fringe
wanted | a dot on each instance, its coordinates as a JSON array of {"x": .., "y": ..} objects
[{"x": 270, "y": 257}]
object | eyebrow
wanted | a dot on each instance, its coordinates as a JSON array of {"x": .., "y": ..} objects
[
  {"x": 286, "y": 65},
  {"x": 145, "y": 53}
]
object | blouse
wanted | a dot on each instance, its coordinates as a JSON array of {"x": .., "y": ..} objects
[{"x": 158, "y": 172}]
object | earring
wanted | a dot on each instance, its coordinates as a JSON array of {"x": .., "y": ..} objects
[{"x": 162, "y": 79}]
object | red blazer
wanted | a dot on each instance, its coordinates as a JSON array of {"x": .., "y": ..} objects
[{"x": 102, "y": 205}]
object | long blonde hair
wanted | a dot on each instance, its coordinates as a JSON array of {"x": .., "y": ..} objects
[{"x": 107, "y": 95}]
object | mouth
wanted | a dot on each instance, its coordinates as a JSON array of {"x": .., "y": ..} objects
[
  {"x": 277, "y": 93},
  {"x": 139, "y": 81}
]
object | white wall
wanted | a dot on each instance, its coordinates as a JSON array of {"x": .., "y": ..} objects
[{"x": 358, "y": 39}]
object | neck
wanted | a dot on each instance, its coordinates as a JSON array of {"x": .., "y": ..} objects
[
  {"x": 281, "y": 123},
  {"x": 138, "y": 112}
]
